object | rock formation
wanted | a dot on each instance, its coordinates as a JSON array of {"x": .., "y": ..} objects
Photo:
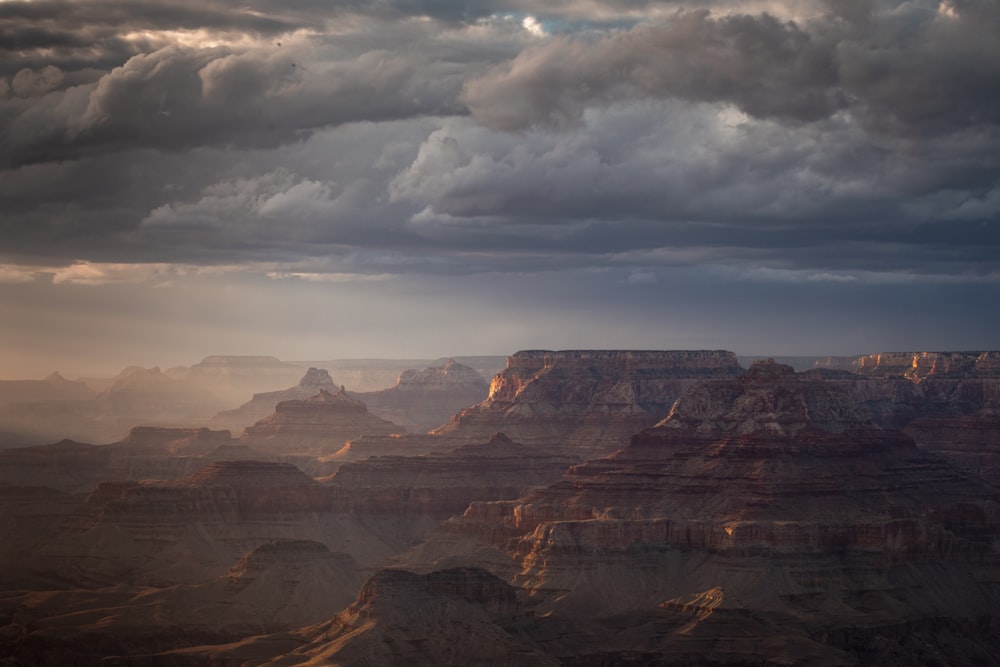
[
  {"x": 948, "y": 403},
  {"x": 321, "y": 424},
  {"x": 588, "y": 401},
  {"x": 456, "y": 617},
  {"x": 423, "y": 399},
  {"x": 442, "y": 484},
  {"x": 263, "y": 404},
  {"x": 767, "y": 518}
]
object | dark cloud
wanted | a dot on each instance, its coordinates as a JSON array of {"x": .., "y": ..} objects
[
  {"x": 738, "y": 139},
  {"x": 913, "y": 71},
  {"x": 177, "y": 98}
]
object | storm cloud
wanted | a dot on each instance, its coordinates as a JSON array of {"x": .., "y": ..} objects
[{"x": 586, "y": 153}]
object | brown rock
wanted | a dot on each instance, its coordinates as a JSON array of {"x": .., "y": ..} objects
[
  {"x": 318, "y": 425},
  {"x": 586, "y": 401}
]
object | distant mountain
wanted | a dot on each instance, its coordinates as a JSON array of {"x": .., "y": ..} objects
[
  {"x": 423, "y": 399},
  {"x": 263, "y": 404}
]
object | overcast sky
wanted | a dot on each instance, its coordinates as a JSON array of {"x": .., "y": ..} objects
[{"x": 330, "y": 178}]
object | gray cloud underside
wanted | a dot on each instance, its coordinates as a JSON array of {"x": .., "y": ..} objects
[{"x": 861, "y": 138}]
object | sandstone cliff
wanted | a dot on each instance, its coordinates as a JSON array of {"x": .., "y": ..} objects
[
  {"x": 766, "y": 518},
  {"x": 588, "y": 402}
]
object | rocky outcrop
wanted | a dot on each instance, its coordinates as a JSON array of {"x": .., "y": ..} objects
[
  {"x": 948, "y": 402},
  {"x": 263, "y": 404},
  {"x": 321, "y": 424},
  {"x": 770, "y": 506},
  {"x": 923, "y": 365},
  {"x": 454, "y": 617},
  {"x": 586, "y": 401},
  {"x": 424, "y": 399}
]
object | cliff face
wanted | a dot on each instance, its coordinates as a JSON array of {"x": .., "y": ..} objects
[
  {"x": 770, "y": 497},
  {"x": 321, "y": 424},
  {"x": 587, "y": 401},
  {"x": 923, "y": 365},
  {"x": 948, "y": 402},
  {"x": 423, "y": 399}
]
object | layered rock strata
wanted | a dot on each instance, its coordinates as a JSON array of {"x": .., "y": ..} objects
[
  {"x": 768, "y": 518},
  {"x": 321, "y": 424},
  {"x": 444, "y": 483},
  {"x": 948, "y": 402},
  {"x": 586, "y": 401}
]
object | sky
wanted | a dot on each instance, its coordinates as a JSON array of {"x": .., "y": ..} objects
[{"x": 414, "y": 179}]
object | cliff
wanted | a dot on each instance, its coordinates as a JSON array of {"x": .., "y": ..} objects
[
  {"x": 948, "y": 402},
  {"x": 586, "y": 401},
  {"x": 767, "y": 515}
]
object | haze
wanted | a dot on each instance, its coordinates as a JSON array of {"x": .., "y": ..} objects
[{"x": 330, "y": 180}]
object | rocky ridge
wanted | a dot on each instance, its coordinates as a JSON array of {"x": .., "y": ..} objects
[
  {"x": 587, "y": 401},
  {"x": 771, "y": 501}
]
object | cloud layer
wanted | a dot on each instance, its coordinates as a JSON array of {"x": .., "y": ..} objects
[{"x": 837, "y": 143}]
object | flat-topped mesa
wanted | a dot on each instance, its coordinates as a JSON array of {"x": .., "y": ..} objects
[
  {"x": 588, "y": 401},
  {"x": 321, "y": 424},
  {"x": 920, "y": 365}
]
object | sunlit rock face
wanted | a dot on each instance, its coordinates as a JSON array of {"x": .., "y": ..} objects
[
  {"x": 587, "y": 402},
  {"x": 263, "y": 404},
  {"x": 426, "y": 398},
  {"x": 768, "y": 515},
  {"x": 948, "y": 402},
  {"x": 321, "y": 424}
]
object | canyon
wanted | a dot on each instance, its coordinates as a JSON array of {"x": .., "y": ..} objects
[{"x": 586, "y": 507}]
